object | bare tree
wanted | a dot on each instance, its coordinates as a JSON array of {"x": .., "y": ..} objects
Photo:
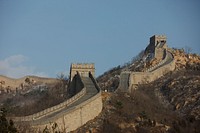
[
  {"x": 64, "y": 81},
  {"x": 62, "y": 76}
]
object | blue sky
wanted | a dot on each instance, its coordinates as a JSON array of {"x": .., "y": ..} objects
[{"x": 43, "y": 37}]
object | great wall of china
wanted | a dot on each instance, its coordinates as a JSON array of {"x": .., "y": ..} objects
[
  {"x": 130, "y": 80},
  {"x": 86, "y": 103}
]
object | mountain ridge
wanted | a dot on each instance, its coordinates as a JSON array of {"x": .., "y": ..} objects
[{"x": 170, "y": 104}]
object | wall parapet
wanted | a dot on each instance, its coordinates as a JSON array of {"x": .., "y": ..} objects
[
  {"x": 94, "y": 81},
  {"x": 72, "y": 109},
  {"x": 79, "y": 76},
  {"x": 51, "y": 110},
  {"x": 83, "y": 69},
  {"x": 135, "y": 78},
  {"x": 160, "y": 63},
  {"x": 75, "y": 116},
  {"x": 74, "y": 112}
]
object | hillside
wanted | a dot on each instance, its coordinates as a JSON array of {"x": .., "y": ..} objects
[
  {"x": 12, "y": 84},
  {"x": 181, "y": 92},
  {"x": 31, "y": 94},
  {"x": 110, "y": 79},
  {"x": 170, "y": 104}
]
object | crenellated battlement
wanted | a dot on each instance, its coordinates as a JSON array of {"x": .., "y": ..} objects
[
  {"x": 129, "y": 80},
  {"x": 82, "y": 68},
  {"x": 157, "y": 39},
  {"x": 157, "y": 45}
]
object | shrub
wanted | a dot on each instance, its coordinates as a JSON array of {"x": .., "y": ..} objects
[
  {"x": 5, "y": 125},
  {"x": 119, "y": 104}
]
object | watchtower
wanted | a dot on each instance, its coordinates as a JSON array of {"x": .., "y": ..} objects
[
  {"x": 83, "y": 70},
  {"x": 157, "y": 46},
  {"x": 158, "y": 40}
]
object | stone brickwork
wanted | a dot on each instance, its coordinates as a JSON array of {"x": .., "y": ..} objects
[
  {"x": 76, "y": 85},
  {"x": 83, "y": 70},
  {"x": 147, "y": 77},
  {"x": 130, "y": 80},
  {"x": 51, "y": 110},
  {"x": 74, "y": 112},
  {"x": 157, "y": 46},
  {"x": 76, "y": 117}
]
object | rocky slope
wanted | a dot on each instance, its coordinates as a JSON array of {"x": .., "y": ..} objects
[
  {"x": 141, "y": 112},
  {"x": 170, "y": 104},
  {"x": 31, "y": 94},
  {"x": 11, "y": 83},
  {"x": 186, "y": 60},
  {"x": 182, "y": 91}
]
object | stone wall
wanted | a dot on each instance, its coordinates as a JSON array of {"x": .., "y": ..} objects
[
  {"x": 146, "y": 77},
  {"x": 76, "y": 85},
  {"x": 166, "y": 57},
  {"x": 157, "y": 38},
  {"x": 95, "y": 82},
  {"x": 51, "y": 110},
  {"x": 159, "y": 53},
  {"x": 124, "y": 81},
  {"x": 70, "y": 114},
  {"x": 129, "y": 83},
  {"x": 83, "y": 69},
  {"x": 130, "y": 80},
  {"x": 76, "y": 117},
  {"x": 157, "y": 46}
]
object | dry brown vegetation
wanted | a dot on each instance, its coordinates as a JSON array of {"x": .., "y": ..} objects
[
  {"x": 16, "y": 83},
  {"x": 34, "y": 99},
  {"x": 149, "y": 109},
  {"x": 170, "y": 104}
]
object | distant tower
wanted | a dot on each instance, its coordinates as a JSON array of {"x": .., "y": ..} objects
[
  {"x": 83, "y": 70},
  {"x": 157, "y": 46}
]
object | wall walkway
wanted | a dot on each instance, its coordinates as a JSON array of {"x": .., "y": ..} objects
[
  {"x": 71, "y": 114},
  {"x": 130, "y": 80}
]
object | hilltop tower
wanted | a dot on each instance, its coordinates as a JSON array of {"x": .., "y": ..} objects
[
  {"x": 83, "y": 70},
  {"x": 157, "y": 46}
]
